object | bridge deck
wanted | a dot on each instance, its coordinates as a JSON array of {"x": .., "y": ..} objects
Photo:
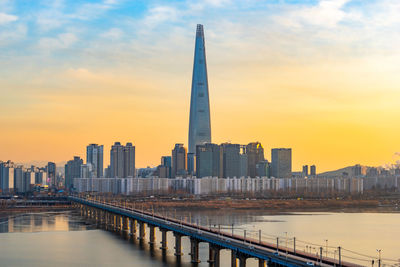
[{"x": 250, "y": 247}]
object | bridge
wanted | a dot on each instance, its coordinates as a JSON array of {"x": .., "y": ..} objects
[{"x": 133, "y": 222}]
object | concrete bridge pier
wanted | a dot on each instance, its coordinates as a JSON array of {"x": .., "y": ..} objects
[
  {"x": 152, "y": 234},
  {"x": 125, "y": 225},
  {"x": 142, "y": 230},
  {"x": 178, "y": 245},
  {"x": 133, "y": 226},
  {"x": 214, "y": 255},
  {"x": 233, "y": 259},
  {"x": 164, "y": 245},
  {"x": 194, "y": 250},
  {"x": 242, "y": 260}
]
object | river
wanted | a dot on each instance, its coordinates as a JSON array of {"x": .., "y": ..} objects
[{"x": 65, "y": 239}]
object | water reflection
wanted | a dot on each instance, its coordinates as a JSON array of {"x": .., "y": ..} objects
[{"x": 43, "y": 222}]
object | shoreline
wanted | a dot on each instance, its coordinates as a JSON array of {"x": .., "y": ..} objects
[{"x": 274, "y": 206}]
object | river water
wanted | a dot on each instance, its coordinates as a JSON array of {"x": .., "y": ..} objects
[{"x": 65, "y": 239}]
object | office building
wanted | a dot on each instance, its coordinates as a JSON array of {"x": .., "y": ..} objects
[
  {"x": 255, "y": 154},
  {"x": 231, "y": 160},
  {"x": 199, "y": 121},
  {"x": 94, "y": 156},
  {"x": 72, "y": 171},
  {"x": 179, "y": 164},
  {"x": 281, "y": 162},
  {"x": 209, "y": 160}
]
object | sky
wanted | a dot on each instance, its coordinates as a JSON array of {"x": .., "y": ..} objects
[{"x": 319, "y": 76}]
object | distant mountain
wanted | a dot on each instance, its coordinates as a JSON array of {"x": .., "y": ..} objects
[{"x": 346, "y": 171}]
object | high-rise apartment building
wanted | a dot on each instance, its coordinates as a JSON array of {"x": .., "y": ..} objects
[
  {"x": 129, "y": 161},
  {"x": 209, "y": 160},
  {"x": 255, "y": 154},
  {"x": 313, "y": 170},
  {"x": 7, "y": 176},
  {"x": 19, "y": 186},
  {"x": 263, "y": 169},
  {"x": 122, "y": 160},
  {"x": 281, "y": 162},
  {"x": 51, "y": 174},
  {"x": 179, "y": 164},
  {"x": 117, "y": 160},
  {"x": 72, "y": 171},
  {"x": 305, "y": 170},
  {"x": 199, "y": 121},
  {"x": 94, "y": 156}
]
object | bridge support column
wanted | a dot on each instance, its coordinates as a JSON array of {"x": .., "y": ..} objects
[
  {"x": 152, "y": 235},
  {"x": 261, "y": 263},
  {"x": 163, "y": 239},
  {"x": 178, "y": 244},
  {"x": 133, "y": 226},
  {"x": 125, "y": 225},
  {"x": 214, "y": 255},
  {"x": 242, "y": 261},
  {"x": 142, "y": 230},
  {"x": 233, "y": 259},
  {"x": 194, "y": 250}
]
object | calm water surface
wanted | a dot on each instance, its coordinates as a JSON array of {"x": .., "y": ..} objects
[{"x": 65, "y": 239}]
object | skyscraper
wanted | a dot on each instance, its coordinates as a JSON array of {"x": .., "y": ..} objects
[
  {"x": 199, "y": 121},
  {"x": 281, "y": 162},
  {"x": 94, "y": 156}
]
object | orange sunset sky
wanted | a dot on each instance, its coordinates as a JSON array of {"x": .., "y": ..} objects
[{"x": 321, "y": 77}]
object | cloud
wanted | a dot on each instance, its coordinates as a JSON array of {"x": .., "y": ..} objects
[
  {"x": 62, "y": 41},
  {"x": 113, "y": 33},
  {"x": 160, "y": 14},
  {"x": 6, "y": 18},
  {"x": 327, "y": 13}
]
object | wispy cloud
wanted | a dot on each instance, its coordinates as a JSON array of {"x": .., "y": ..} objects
[
  {"x": 62, "y": 41},
  {"x": 7, "y": 18}
]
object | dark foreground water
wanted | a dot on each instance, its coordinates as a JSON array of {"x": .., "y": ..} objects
[{"x": 65, "y": 239}]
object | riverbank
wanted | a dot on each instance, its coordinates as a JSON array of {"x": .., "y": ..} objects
[{"x": 275, "y": 205}]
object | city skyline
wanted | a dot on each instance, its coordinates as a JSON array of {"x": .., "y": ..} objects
[{"x": 324, "y": 88}]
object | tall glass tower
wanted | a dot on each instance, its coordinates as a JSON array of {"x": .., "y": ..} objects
[{"x": 199, "y": 121}]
